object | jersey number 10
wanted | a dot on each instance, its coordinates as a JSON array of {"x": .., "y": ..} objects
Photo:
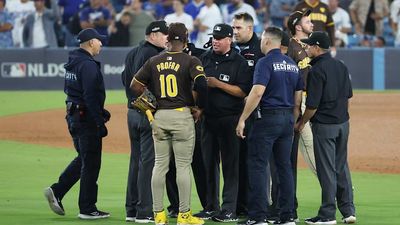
[{"x": 168, "y": 85}]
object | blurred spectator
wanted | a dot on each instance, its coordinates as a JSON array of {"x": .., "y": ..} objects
[
  {"x": 395, "y": 20},
  {"x": 320, "y": 16},
  {"x": 342, "y": 23},
  {"x": 140, "y": 20},
  {"x": 19, "y": 10},
  {"x": 118, "y": 5},
  {"x": 179, "y": 16},
  {"x": 379, "y": 42},
  {"x": 38, "y": 31},
  {"x": 193, "y": 9},
  {"x": 208, "y": 17},
  {"x": 6, "y": 25},
  {"x": 367, "y": 16},
  {"x": 279, "y": 10},
  {"x": 167, "y": 7},
  {"x": 108, "y": 5},
  {"x": 70, "y": 19},
  {"x": 95, "y": 16},
  {"x": 119, "y": 35},
  {"x": 155, "y": 8},
  {"x": 235, "y": 7}
]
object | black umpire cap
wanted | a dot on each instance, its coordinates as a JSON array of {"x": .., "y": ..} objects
[
  {"x": 222, "y": 30},
  {"x": 295, "y": 18},
  {"x": 318, "y": 38},
  {"x": 157, "y": 26},
  {"x": 89, "y": 34}
]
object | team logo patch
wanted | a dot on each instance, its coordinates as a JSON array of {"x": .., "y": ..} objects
[
  {"x": 200, "y": 68},
  {"x": 322, "y": 9},
  {"x": 250, "y": 62},
  {"x": 13, "y": 70},
  {"x": 224, "y": 77}
]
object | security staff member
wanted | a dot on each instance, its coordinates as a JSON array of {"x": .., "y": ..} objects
[
  {"x": 138, "y": 197},
  {"x": 248, "y": 45},
  {"x": 277, "y": 87},
  {"x": 86, "y": 116},
  {"x": 169, "y": 76},
  {"x": 328, "y": 92},
  {"x": 228, "y": 82}
]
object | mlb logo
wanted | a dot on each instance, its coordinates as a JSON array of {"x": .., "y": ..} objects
[
  {"x": 13, "y": 70},
  {"x": 224, "y": 77},
  {"x": 217, "y": 28}
]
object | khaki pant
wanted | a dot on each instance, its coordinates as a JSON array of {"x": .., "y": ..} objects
[
  {"x": 173, "y": 130},
  {"x": 306, "y": 143}
]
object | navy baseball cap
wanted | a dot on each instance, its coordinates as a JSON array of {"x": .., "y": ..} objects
[
  {"x": 89, "y": 34},
  {"x": 318, "y": 38},
  {"x": 157, "y": 26},
  {"x": 222, "y": 30}
]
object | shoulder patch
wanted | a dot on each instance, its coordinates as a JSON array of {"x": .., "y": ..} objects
[{"x": 200, "y": 68}]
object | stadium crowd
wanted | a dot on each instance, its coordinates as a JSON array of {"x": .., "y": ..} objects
[{"x": 371, "y": 23}]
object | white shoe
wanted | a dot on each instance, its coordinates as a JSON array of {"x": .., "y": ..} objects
[
  {"x": 349, "y": 219},
  {"x": 54, "y": 203},
  {"x": 130, "y": 219},
  {"x": 94, "y": 215}
]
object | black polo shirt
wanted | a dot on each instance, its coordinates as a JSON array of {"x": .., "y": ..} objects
[
  {"x": 229, "y": 68},
  {"x": 328, "y": 90},
  {"x": 251, "y": 51}
]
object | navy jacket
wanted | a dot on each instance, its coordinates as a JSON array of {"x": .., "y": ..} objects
[{"x": 84, "y": 84}]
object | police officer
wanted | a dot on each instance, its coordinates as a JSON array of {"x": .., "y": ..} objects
[
  {"x": 277, "y": 87},
  {"x": 328, "y": 92},
  {"x": 86, "y": 116},
  {"x": 138, "y": 197},
  {"x": 228, "y": 83},
  {"x": 248, "y": 45}
]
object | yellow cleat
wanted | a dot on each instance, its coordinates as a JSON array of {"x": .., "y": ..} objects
[
  {"x": 160, "y": 218},
  {"x": 188, "y": 219}
]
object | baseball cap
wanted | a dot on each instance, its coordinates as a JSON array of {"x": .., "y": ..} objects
[
  {"x": 295, "y": 17},
  {"x": 89, "y": 34},
  {"x": 177, "y": 31},
  {"x": 222, "y": 30},
  {"x": 319, "y": 38},
  {"x": 157, "y": 26}
]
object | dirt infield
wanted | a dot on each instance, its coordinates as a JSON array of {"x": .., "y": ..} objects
[{"x": 373, "y": 145}]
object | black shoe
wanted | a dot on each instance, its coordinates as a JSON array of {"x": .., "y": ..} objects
[
  {"x": 54, "y": 202},
  {"x": 144, "y": 219},
  {"x": 253, "y": 222},
  {"x": 205, "y": 214},
  {"x": 94, "y": 215},
  {"x": 173, "y": 214},
  {"x": 225, "y": 216},
  {"x": 285, "y": 222},
  {"x": 319, "y": 220},
  {"x": 242, "y": 213}
]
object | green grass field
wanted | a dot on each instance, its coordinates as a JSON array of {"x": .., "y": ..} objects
[{"x": 25, "y": 170}]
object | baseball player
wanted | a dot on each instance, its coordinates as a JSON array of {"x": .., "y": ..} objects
[{"x": 170, "y": 76}]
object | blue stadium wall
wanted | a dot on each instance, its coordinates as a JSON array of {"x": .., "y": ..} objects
[{"x": 42, "y": 69}]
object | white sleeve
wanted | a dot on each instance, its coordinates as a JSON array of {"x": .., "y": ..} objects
[
  {"x": 395, "y": 11},
  {"x": 346, "y": 19}
]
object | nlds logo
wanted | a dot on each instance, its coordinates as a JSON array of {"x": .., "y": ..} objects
[{"x": 13, "y": 70}]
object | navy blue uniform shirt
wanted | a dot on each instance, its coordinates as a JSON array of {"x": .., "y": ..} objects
[
  {"x": 328, "y": 90},
  {"x": 84, "y": 84},
  {"x": 280, "y": 75}
]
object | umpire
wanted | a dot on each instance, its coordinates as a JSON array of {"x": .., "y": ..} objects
[
  {"x": 277, "y": 87},
  {"x": 328, "y": 92},
  {"x": 86, "y": 116},
  {"x": 248, "y": 45},
  {"x": 228, "y": 84}
]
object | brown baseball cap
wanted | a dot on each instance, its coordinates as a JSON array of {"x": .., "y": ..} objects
[{"x": 295, "y": 18}]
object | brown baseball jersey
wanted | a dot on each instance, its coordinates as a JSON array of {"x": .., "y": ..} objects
[
  {"x": 297, "y": 52},
  {"x": 320, "y": 16},
  {"x": 169, "y": 76}
]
